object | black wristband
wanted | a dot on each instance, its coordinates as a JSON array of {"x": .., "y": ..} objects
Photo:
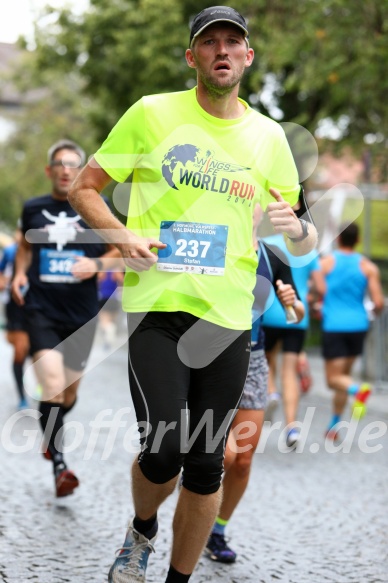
[{"x": 305, "y": 232}]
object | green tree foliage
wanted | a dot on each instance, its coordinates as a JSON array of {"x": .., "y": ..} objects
[
  {"x": 328, "y": 57},
  {"x": 315, "y": 60},
  {"x": 123, "y": 49},
  {"x": 50, "y": 114}
]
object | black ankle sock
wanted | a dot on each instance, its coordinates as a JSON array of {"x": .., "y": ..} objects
[
  {"x": 18, "y": 374},
  {"x": 174, "y": 576},
  {"x": 148, "y": 528},
  {"x": 51, "y": 421},
  {"x": 67, "y": 408}
]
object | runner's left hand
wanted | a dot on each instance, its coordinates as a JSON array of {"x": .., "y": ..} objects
[
  {"x": 282, "y": 217},
  {"x": 285, "y": 293}
]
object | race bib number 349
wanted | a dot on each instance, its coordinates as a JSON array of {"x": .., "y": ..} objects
[
  {"x": 56, "y": 266},
  {"x": 192, "y": 248}
]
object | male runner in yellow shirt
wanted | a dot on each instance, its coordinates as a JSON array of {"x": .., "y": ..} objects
[{"x": 199, "y": 161}]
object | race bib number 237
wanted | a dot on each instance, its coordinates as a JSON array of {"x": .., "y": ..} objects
[{"x": 197, "y": 248}]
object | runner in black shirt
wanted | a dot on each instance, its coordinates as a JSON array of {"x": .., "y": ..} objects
[{"x": 55, "y": 278}]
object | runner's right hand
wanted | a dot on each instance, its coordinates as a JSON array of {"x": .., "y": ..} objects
[
  {"x": 19, "y": 282},
  {"x": 137, "y": 253}
]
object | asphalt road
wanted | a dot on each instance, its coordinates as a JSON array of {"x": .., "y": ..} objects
[{"x": 310, "y": 516}]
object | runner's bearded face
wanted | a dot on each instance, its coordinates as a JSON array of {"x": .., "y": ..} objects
[
  {"x": 221, "y": 56},
  {"x": 62, "y": 170}
]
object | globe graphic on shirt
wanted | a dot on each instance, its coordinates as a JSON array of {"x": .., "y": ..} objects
[{"x": 179, "y": 154}]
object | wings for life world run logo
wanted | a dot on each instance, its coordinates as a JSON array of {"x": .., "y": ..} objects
[{"x": 188, "y": 165}]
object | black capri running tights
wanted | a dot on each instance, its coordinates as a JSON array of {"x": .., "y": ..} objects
[{"x": 186, "y": 377}]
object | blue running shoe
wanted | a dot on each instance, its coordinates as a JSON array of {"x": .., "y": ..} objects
[
  {"x": 23, "y": 405},
  {"x": 292, "y": 438},
  {"x": 131, "y": 562},
  {"x": 218, "y": 550}
]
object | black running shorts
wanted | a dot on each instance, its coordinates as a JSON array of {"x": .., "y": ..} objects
[
  {"x": 15, "y": 317},
  {"x": 292, "y": 339},
  {"x": 186, "y": 378},
  {"x": 342, "y": 344},
  {"x": 74, "y": 342}
]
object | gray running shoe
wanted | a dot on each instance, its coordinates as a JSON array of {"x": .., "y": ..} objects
[
  {"x": 272, "y": 405},
  {"x": 131, "y": 561}
]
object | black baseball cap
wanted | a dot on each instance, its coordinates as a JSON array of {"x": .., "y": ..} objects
[{"x": 217, "y": 14}]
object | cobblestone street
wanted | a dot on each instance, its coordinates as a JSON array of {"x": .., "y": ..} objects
[{"x": 311, "y": 516}]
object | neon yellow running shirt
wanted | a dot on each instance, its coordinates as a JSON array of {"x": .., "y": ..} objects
[{"x": 195, "y": 180}]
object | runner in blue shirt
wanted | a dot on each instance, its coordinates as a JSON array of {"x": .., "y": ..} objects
[
  {"x": 349, "y": 277},
  {"x": 16, "y": 326}
]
